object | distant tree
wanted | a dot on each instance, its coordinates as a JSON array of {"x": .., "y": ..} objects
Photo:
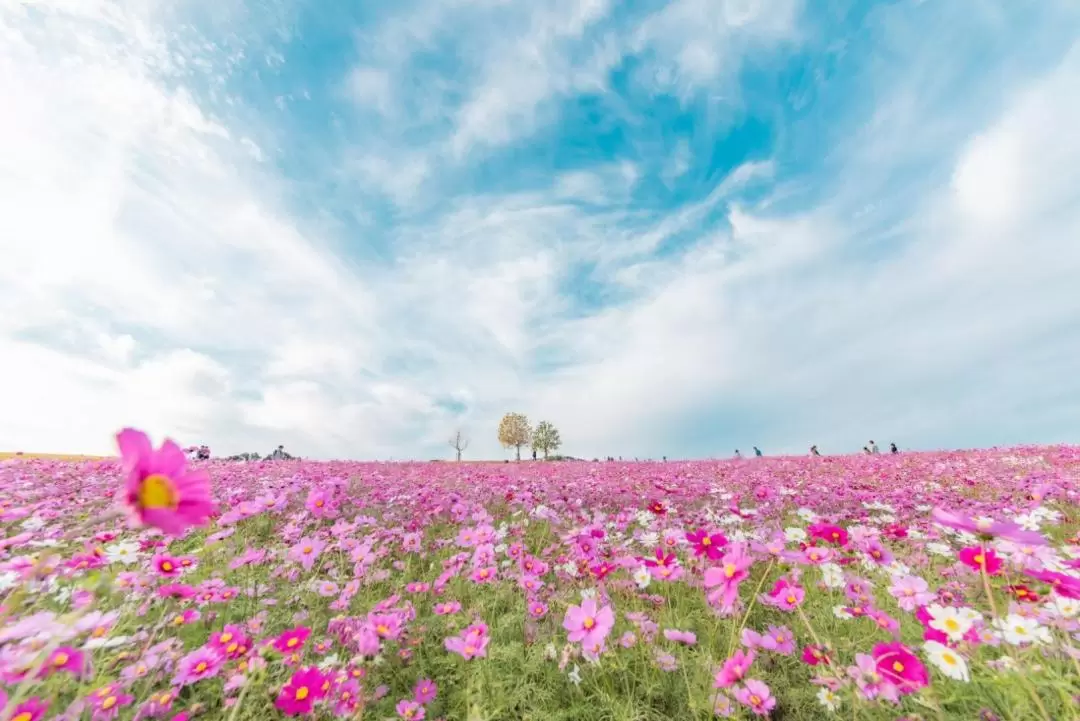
[
  {"x": 546, "y": 438},
  {"x": 459, "y": 442},
  {"x": 514, "y": 432}
]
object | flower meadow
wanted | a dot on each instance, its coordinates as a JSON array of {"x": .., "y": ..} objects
[{"x": 910, "y": 586}]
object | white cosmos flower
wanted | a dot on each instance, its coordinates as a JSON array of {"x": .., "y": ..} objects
[
  {"x": 940, "y": 549},
  {"x": 952, "y": 621},
  {"x": 642, "y": 577},
  {"x": 126, "y": 553},
  {"x": 828, "y": 699},
  {"x": 948, "y": 661},
  {"x": 806, "y": 514},
  {"x": 1064, "y": 607},
  {"x": 1019, "y": 631},
  {"x": 840, "y": 612},
  {"x": 794, "y": 535},
  {"x": 832, "y": 575}
]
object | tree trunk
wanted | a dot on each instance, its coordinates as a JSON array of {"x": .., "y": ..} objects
[
  {"x": 545, "y": 453},
  {"x": 459, "y": 456},
  {"x": 518, "y": 452}
]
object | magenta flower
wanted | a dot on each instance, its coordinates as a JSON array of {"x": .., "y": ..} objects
[
  {"x": 299, "y": 695},
  {"x": 900, "y": 667},
  {"x": 979, "y": 559},
  {"x": 587, "y": 623},
  {"x": 160, "y": 492},
  {"x": 710, "y": 545},
  {"x": 757, "y": 696},
  {"x": 785, "y": 595},
  {"x": 725, "y": 579},
  {"x": 292, "y": 640},
  {"x": 66, "y": 658},
  {"x": 385, "y": 625}
]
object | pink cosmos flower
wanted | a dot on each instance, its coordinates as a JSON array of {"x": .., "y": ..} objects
[
  {"x": 160, "y": 492},
  {"x": 410, "y": 710},
  {"x": 425, "y": 691},
  {"x": 292, "y": 640},
  {"x": 299, "y": 695},
  {"x": 981, "y": 558},
  {"x": 785, "y": 595},
  {"x": 829, "y": 533},
  {"x": 231, "y": 641},
  {"x": 733, "y": 669},
  {"x": 306, "y": 551},
  {"x": 470, "y": 643},
  {"x": 166, "y": 565},
  {"x": 107, "y": 706},
  {"x": 66, "y": 658},
  {"x": 687, "y": 637},
  {"x": 385, "y": 625},
  {"x": 1063, "y": 585},
  {"x": 202, "y": 663},
  {"x": 1007, "y": 530},
  {"x": 911, "y": 592},
  {"x": 587, "y": 623},
  {"x": 710, "y": 545},
  {"x": 447, "y": 608},
  {"x": 725, "y": 579},
  {"x": 537, "y": 609},
  {"x": 900, "y": 667},
  {"x": 779, "y": 639},
  {"x": 757, "y": 696}
]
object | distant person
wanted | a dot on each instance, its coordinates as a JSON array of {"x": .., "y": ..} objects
[
  {"x": 873, "y": 447},
  {"x": 534, "y": 454},
  {"x": 737, "y": 454},
  {"x": 893, "y": 448},
  {"x": 866, "y": 450},
  {"x": 814, "y": 451},
  {"x": 757, "y": 451},
  {"x": 665, "y": 459}
]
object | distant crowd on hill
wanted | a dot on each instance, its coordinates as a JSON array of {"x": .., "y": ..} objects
[{"x": 202, "y": 453}]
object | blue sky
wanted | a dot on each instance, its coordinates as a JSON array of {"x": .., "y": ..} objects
[{"x": 669, "y": 227}]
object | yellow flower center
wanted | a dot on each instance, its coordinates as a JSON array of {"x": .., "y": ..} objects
[
  {"x": 382, "y": 629},
  {"x": 308, "y": 549},
  {"x": 897, "y": 666},
  {"x": 729, "y": 570},
  {"x": 469, "y": 650},
  {"x": 979, "y": 559},
  {"x": 952, "y": 624},
  {"x": 108, "y": 703},
  {"x": 60, "y": 659},
  {"x": 588, "y": 622},
  {"x": 319, "y": 504},
  {"x": 302, "y": 693},
  {"x": 24, "y": 716},
  {"x": 790, "y": 599},
  {"x": 166, "y": 566},
  {"x": 292, "y": 642},
  {"x": 200, "y": 667},
  {"x": 157, "y": 491},
  {"x": 706, "y": 541},
  {"x": 949, "y": 659},
  {"x": 755, "y": 700}
]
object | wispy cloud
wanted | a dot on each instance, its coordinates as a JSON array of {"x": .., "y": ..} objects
[{"x": 682, "y": 229}]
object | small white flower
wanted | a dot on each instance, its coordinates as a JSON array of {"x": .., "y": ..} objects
[
  {"x": 328, "y": 661},
  {"x": 588, "y": 593},
  {"x": 794, "y": 535},
  {"x": 574, "y": 675},
  {"x": 841, "y": 613},
  {"x": 832, "y": 575},
  {"x": 33, "y": 523},
  {"x": 112, "y": 642},
  {"x": 8, "y": 580},
  {"x": 828, "y": 699},
  {"x": 550, "y": 652},
  {"x": 649, "y": 539},
  {"x": 806, "y": 515},
  {"x": 940, "y": 549},
  {"x": 948, "y": 661},
  {"x": 642, "y": 577},
  {"x": 1064, "y": 607}
]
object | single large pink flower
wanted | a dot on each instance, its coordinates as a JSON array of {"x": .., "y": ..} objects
[
  {"x": 587, "y": 623},
  {"x": 160, "y": 491}
]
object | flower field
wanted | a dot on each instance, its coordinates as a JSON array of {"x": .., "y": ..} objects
[{"x": 932, "y": 586}]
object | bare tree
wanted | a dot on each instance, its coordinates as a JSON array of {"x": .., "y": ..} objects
[{"x": 459, "y": 442}]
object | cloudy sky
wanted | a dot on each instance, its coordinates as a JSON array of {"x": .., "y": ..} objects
[{"x": 670, "y": 227}]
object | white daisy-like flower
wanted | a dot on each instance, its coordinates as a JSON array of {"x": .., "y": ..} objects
[
  {"x": 649, "y": 539},
  {"x": 940, "y": 549},
  {"x": 794, "y": 535},
  {"x": 841, "y": 613},
  {"x": 806, "y": 515},
  {"x": 832, "y": 575},
  {"x": 1018, "y": 630},
  {"x": 828, "y": 699},
  {"x": 642, "y": 577},
  {"x": 126, "y": 553},
  {"x": 1064, "y": 607},
  {"x": 33, "y": 523},
  {"x": 952, "y": 621},
  {"x": 588, "y": 593},
  {"x": 948, "y": 661}
]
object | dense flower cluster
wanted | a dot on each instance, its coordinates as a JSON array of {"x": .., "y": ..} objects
[{"x": 939, "y": 585}]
